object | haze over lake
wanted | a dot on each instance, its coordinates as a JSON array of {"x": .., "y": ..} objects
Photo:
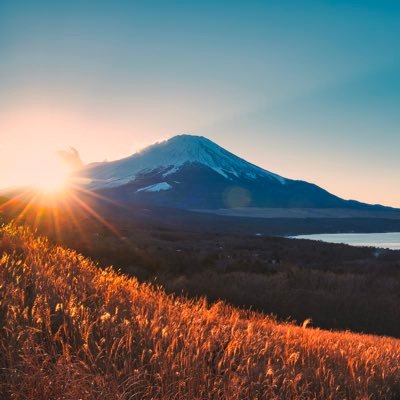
[{"x": 384, "y": 240}]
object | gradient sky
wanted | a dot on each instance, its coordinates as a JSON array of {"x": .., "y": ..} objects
[{"x": 306, "y": 89}]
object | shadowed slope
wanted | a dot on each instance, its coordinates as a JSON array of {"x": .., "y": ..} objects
[{"x": 69, "y": 330}]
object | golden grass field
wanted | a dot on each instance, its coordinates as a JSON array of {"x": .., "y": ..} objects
[{"x": 69, "y": 330}]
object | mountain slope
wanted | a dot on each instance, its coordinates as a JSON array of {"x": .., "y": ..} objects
[
  {"x": 168, "y": 158},
  {"x": 192, "y": 172},
  {"x": 70, "y": 330}
]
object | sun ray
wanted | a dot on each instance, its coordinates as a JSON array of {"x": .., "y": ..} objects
[
  {"x": 68, "y": 209},
  {"x": 55, "y": 218},
  {"x": 99, "y": 196},
  {"x": 56, "y": 211},
  {"x": 27, "y": 207},
  {"x": 97, "y": 216}
]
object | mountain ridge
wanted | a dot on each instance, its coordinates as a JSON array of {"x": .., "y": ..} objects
[
  {"x": 172, "y": 154},
  {"x": 192, "y": 172}
]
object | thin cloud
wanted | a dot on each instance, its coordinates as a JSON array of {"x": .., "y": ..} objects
[{"x": 71, "y": 158}]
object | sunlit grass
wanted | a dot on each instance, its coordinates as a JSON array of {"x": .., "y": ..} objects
[{"x": 71, "y": 331}]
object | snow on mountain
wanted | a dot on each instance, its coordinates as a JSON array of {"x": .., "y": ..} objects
[
  {"x": 192, "y": 172},
  {"x": 158, "y": 187},
  {"x": 168, "y": 157}
]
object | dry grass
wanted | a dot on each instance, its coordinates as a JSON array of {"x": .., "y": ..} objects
[{"x": 71, "y": 331}]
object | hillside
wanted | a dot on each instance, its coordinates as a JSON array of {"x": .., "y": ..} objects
[
  {"x": 70, "y": 330},
  {"x": 292, "y": 279}
]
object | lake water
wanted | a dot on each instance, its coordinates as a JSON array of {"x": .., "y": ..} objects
[{"x": 384, "y": 240}]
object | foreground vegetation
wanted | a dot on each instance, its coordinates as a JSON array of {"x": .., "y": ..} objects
[
  {"x": 340, "y": 287},
  {"x": 69, "y": 330}
]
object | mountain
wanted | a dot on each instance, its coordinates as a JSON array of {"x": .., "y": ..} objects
[
  {"x": 192, "y": 172},
  {"x": 169, "y": 157}
]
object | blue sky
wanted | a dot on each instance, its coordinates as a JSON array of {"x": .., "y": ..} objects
[{"x": 307, "y": 89}]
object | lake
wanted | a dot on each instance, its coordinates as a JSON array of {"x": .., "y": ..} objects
[{"x": 384, "y": 240}]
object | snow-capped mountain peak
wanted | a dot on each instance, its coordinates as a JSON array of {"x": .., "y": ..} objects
[
  {"x": 192, "y": 172},
  {"x": 168, "y": 157}
]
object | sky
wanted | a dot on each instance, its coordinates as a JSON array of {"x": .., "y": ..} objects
[{"x": 307, "y": 89}]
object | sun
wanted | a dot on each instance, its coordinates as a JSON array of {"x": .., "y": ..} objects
[
  {"x": 50, "y": 178},
  {"x": 51, "y": 183}
]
